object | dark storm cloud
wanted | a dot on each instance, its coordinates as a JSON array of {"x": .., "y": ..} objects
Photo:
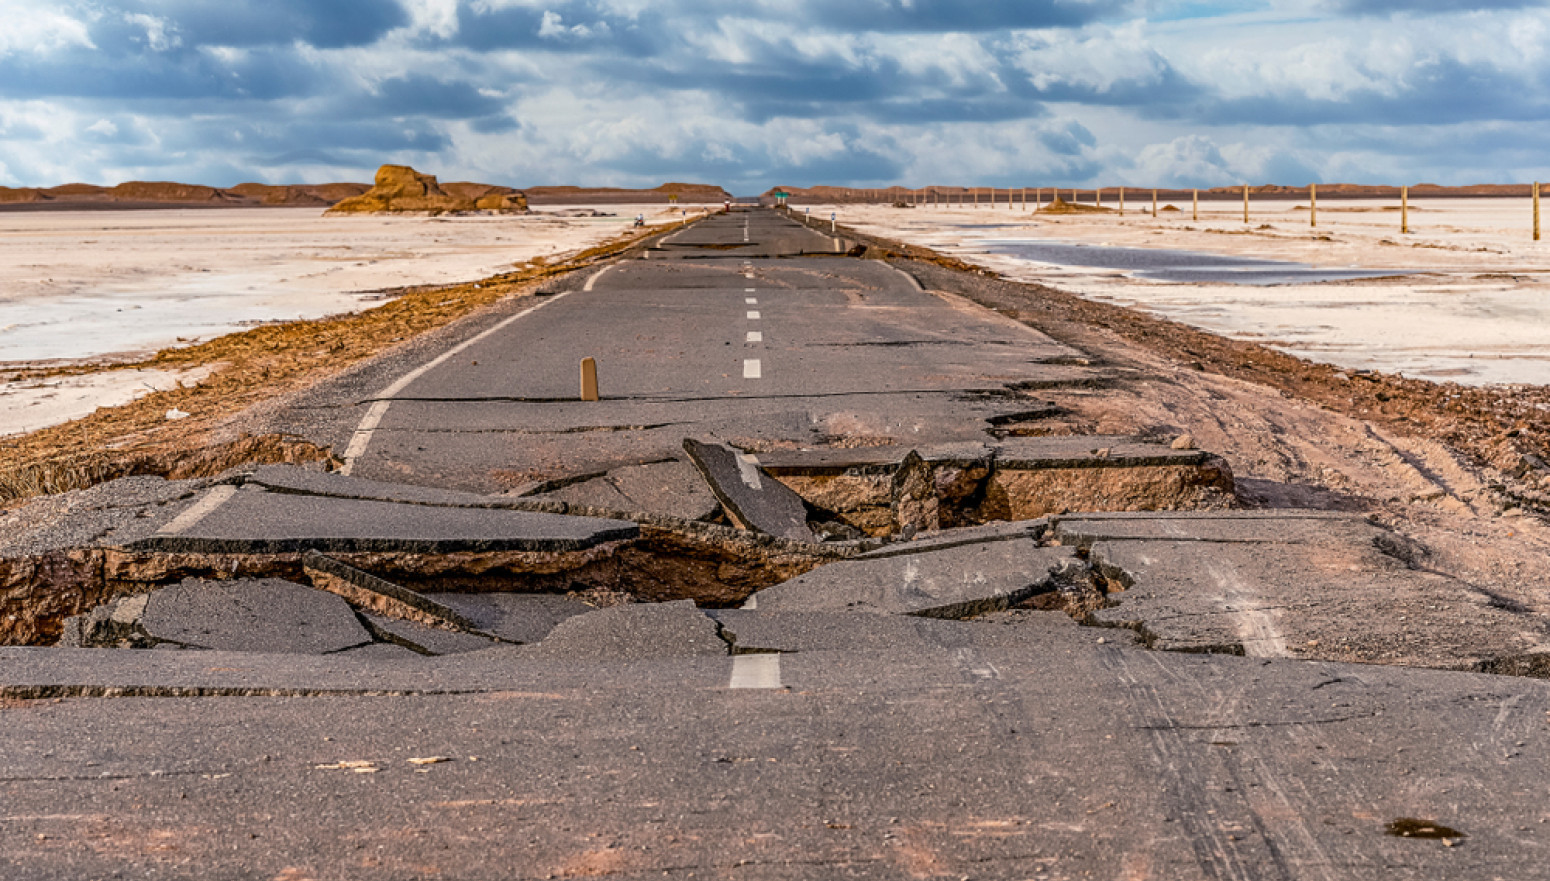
[
  {"x": 158, "y": 76},
  {"x": 329, "y": 24}
]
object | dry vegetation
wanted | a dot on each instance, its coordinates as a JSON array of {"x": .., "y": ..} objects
[{"x": 256, "y": 365}]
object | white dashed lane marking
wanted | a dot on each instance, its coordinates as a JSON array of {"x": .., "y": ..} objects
[
  {"x": 755, "y": 671},
  {"x": 752, "y": 301},
  {"x": 752, "y": 369},
  {"x": 753, "y": 315},
  {"x": 200, "y": 510},
  {"x": 755, "y": 336}
]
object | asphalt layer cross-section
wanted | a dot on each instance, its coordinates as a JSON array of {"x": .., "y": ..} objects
[{"x": 833, "y": 731}]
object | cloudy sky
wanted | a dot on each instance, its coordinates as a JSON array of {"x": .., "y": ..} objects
[{"x": 753, "y": 93}]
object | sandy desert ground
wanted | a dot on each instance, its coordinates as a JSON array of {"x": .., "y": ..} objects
[
  {"x": 1470, "y": 301},
  {"x": 112, "y": 286}
]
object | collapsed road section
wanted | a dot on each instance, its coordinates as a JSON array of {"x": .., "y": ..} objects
[{"x": 827, "y": 576}]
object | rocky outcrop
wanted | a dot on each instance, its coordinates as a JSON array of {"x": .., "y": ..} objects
[{"x": 400, "y": 189}]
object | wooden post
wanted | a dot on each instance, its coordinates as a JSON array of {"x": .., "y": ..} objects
[
  {"x": 1404, "y": 210},
  {"x": 1098, "y": 196},
  {"x": 1313, "y": 205},
  {"x": 1245, "y": 203},
  {"x": 1121, "y": 201},
  {"x": 1195, "y": 210},
  {"x": 588, "y": 379},
  {"x": 1536, "y": 211},
  {"x": 1154, "y": 203}
]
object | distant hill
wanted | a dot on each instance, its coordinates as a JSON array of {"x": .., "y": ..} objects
[
  {"x": 685, "y": 194},
  {"x": 166, "y": 194}
]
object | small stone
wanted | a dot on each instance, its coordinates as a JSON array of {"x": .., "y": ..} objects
[
  {"x": 1102, "y": 640},
  {"x": 1183, "y": 442},
  {"x": 175, "y": 414},
  {"x": 1102, "y": 453}
]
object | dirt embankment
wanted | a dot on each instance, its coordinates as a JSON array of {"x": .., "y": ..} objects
[{"x": 253, "y": 366}]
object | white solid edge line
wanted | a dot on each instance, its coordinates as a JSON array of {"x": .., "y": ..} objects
[
  {"x": 592, "y": 280},
  {"x": 379, "y": 408},
  {"x": 914, "y": 282},
  {"x": 752, "y": 369},
  {"x": 756, "y": 336},
  {"x": 755, "y": 671},
  {"x": 200, "y": 510},
  {"x": 753, "y": 315}
]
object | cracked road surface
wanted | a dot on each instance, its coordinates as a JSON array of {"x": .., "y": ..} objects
[{"x": 891, "y": 709}]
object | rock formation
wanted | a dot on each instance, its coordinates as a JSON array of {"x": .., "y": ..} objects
[{"x": 400, "y": 189}]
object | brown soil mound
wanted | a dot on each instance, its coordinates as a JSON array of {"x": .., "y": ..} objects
[
  {"x": 22, "y": 194},
  {"x": 1061, "y": 206},
  {"x": 400, "y": 189}
]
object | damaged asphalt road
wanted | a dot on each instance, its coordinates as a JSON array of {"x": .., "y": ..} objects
[{"x": 818, "y": 589}]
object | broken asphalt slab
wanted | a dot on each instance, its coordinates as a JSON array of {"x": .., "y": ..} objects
[
  {"x": 242, "y": 615},
  {"x": 513, "y": 617},
  {"x": 955, "y": 582},
  {"x": 633, "y": 631},
  {"x": 663, "y": 489},
  {"x": 752, "y": 498},
  {"x": 253, "y": 521}
]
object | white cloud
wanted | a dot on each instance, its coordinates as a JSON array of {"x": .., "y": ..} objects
[
  {"x": 160, "y": 35},
  {"x": 31, "y": 29}
]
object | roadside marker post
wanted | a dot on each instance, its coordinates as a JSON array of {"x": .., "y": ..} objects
[
  {"x": 1195, "y": 206},
  {"x": 832, "y": 220},
  {"x": 1313, "y": 205},
  {"x": 1536, "y": 211},
  {"x": 1404, "y": 211},
  {"x": 1245, "y": 203},
  {"x": 1154, "y": 204},
  {"x": 588, "y": 379},
  {"x": 1098, "y": 197},
  {"x": 1121, "y": 201}
]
